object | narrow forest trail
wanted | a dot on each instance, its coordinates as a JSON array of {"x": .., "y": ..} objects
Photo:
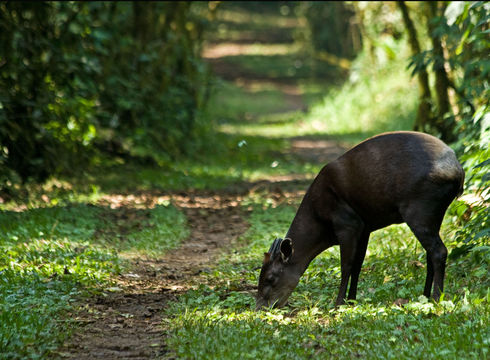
[
  {"x": 126, "y": 321},
  {"x": 311, "y": 149}
]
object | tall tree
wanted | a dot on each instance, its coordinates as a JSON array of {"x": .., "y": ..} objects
[
  {"x": 444, "y": 124},
  {"x": 424, "y": 111}
]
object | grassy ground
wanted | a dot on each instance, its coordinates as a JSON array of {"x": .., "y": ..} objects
[
  {"x": 72, "y": 237},
  {"x": 51, "y": 257},
  {"x": 217, "y": 320}
]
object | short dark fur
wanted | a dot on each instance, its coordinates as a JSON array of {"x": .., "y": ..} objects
[{"x": 391, "y": 178}]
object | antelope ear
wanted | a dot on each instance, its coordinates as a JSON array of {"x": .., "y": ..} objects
[
  {"x": 267, "y": 257},
  {"x": 286, "y": 249}
]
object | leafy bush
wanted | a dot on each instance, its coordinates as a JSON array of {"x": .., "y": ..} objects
[
  {"x": 467, "y": 38},
  {"x": 47, "y": 106},
  {"x": 362, "y": 107},
  {"x": 472, "y": 210},
  {"x": 126, "y": 77}
]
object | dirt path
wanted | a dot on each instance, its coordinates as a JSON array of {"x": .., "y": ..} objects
[{"x": 125, "y": 322}]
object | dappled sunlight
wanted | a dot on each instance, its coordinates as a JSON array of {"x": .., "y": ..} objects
[
  {"x": 257, "y": 18},
  {"x": 350, "y": 109},
  {"x": 269, "y": 130},
  {"x": 317, "y": 149},
  {"x": 323, "y": 331},
  {"x": 235, "y": 49},
  {"x": 335, "y": 60},
  {"x": 253, "y": 85}
]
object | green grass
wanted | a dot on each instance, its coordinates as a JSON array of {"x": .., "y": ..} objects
[
  {"x": 290, "y": 67},
  {"x": 235, "y": 104},
  {"x": 372, "y": 101},
  {"x": 246, "y": 23},
  {"x": 164, "y": 231},
  {"x": 51, "y": 257},
  {"x": 217, "y": 321}
]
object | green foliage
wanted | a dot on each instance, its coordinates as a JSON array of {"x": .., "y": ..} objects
[
  {"x": 465, "y": 28},
  {"x": 462, "y": 28},
  {"x": 472, "y": 212},
  {"x": 119, "y": 77},
  {"x": 46, "y": 105},
  {"x": 153, "y": 82},
  {"x": 362, "y": 107},
  {"x": 467, "y": 38}
]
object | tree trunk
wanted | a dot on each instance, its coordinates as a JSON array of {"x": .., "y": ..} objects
[
  {"x": 366, "y": 39},
  {"x": 424, "y": 110},
  {"x": 445, "y": 126}
]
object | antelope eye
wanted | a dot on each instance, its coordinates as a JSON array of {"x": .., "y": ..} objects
[{"x": 270, "y": 279}]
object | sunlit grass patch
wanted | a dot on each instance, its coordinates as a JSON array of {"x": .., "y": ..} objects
[
  {"x": 217, "y": 320},
  {"x": 288, "y": 67},
  {"x": 46, "y": 260},
  {"x": 249, "y": 17},
  {"x": 368, "y": 331},
  {"x": 285, "y": 125},
  {"x": 418, "y": 330},
  {"x": 237, "y": 336},
  {"x": 232, "y": 103},
  {"x": 369, "y": 102},
  {"x": 360, "y": 108},
  {"x": 235, "y": 49},
  {"x": 249, "y": 24},
  {"x": 50, "y": 257},
  {"x": 77, "y": 221},
  {"x": 165, "y": 229}
]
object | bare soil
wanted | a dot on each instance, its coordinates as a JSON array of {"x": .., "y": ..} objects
[{"x": 125, "y": 321}]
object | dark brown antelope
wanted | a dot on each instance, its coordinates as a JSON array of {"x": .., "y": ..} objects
[{"x": 388, "y": 179}]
